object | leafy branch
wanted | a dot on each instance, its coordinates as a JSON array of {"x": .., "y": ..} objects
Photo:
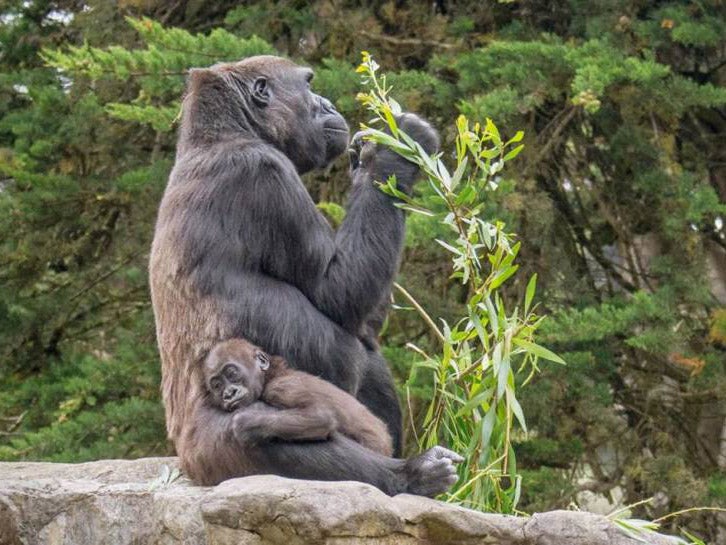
[{"x": 490, "y": 352}]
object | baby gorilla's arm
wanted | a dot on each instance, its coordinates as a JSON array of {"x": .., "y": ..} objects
[
  {"x": 299, "y": 391},
  {"x": 260, "y": 422}
]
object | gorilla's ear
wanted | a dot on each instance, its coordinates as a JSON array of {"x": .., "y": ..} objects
[
  {"x": 261, "y": 92},
  {"x": 263, "y": 360}
]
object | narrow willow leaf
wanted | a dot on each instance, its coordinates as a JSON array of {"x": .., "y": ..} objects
[
  {"x": 483, "y": 398},
  {"x": 449, "y": 247},
  {"x": 492, "y": 130},
  {"x": 529, "y": 295},
  {"x": 513, "y": 153},
  {"x": 489, "y": 153},
  {"x": 443, "y": 173},
  {"x": 391, "y": 121},
  {"x": 516, "y": 138},
  {"x": 517, "y": 491},
  {"x": 539, "y": 351},
  {"x": 503, "y": 377},
  {"x": 459, "y": 173},
  {"x": 414, "y": 209},
  {"x": 516, "y": 409},
  {"x": 497, "y": 359},
  {"x": 466, "y": 196},
  {"x": 396, "y": 107},
  {"x": 503, "y": 276},
  {"x": 493, "y": 318},
  {"x": 479, "y": 327},
  {"x": 487, "y": 426}
]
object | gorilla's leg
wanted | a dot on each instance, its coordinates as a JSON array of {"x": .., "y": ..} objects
[
  {"x": 378, "y": 393},
  {"x": 341, "y": 458},
  {"x": 217, "y": 447}
]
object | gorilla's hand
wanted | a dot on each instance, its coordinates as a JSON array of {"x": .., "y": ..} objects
[
  {"x": 380, "y": 162},
  {"x": 432, "y": 472}
]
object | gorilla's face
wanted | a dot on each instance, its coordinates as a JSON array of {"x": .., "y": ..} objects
[
  {"x": 269, "y": 97},
  {"x": 313, "y": 132},
  {"x": 234, "y": 373}
]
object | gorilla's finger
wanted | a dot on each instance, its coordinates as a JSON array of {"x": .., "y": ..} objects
[
  {"x": 440, "y": 452},
  {"x": 420, "y": 130},
  {"x": 358, "y": 140},
  {"x": 353, "y": 158}
]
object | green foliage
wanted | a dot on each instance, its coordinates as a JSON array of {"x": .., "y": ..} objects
[
  {"x": 474, "y": 405},
  {"x": 158, "y": 69},
  {"x": 89, "y": 406}
]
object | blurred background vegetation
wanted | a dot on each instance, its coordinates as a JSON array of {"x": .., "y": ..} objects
[{"x": 619, "y": 198}]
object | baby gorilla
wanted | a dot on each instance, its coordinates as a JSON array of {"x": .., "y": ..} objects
[{"x": 238, "y": 374}]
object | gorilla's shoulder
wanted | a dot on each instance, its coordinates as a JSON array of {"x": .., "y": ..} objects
[{"x": 230, "y": 158}]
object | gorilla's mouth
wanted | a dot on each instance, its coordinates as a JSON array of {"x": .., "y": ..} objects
[
  {"x": 232, "y": 405},
  {"x": 335, "y": 134},
  {"x": 236, "y": 403},
  {"x": 336, "y": 125}
]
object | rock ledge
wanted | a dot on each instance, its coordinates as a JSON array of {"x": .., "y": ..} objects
[{"x": 113, "y": 502}]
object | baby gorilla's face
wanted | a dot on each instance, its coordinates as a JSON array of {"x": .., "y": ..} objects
[{"x": 234, "y": 374}]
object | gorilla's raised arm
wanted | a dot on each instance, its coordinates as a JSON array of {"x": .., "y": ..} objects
[{"x": 347, "y": 273}]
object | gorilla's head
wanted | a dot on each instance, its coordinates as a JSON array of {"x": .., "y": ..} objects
[{"x": 268, "y": 98}]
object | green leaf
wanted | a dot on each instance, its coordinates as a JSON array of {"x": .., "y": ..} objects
[
  {"x": 529, "y": 295},
  {"x": 539, "y": 351},
  {"x": 500, "y": 278},
  {"x": 493, "y": 318},
  {"x": 492, "y": 130},
  {"x": 459, "y": 173},
  {"x": 516, "y": 408},
  {"x": 516, "y": 138},
  {"x": 465, "y": 196},
  {"x": 395, "y": 107},
  {"x": 391, "y": 121},
  {"x": 449, "y": 247},
  {"x": 513, "y": 153},
  {"x": 414, "y": 209},
  {"x": 503, "y": 376},
  {"x": 487, "y": 426},
  {"x": 479, "y": 399}
]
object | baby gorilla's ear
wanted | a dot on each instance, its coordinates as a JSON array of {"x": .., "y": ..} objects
[{"x": 263, "y": 360}]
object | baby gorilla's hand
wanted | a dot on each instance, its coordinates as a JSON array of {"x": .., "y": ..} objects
[{"x": 381, "y": 162}]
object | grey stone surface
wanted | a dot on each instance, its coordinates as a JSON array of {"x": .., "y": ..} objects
[{"x": 121, "y": 502}]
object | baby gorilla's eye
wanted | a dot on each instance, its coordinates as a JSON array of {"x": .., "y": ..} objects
[
  {"x": 215, "y": 384},
  {"x": 232, "y": 373}
]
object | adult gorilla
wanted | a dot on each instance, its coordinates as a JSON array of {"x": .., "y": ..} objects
[{"x": 240, "y": 250}]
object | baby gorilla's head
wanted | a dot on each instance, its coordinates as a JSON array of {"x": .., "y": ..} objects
[{"x": 234, "y": 374}]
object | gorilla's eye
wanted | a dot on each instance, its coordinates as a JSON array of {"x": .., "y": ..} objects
[
  {"x": 231, "y": 372},
  {"x": 215, "y": 383}
]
